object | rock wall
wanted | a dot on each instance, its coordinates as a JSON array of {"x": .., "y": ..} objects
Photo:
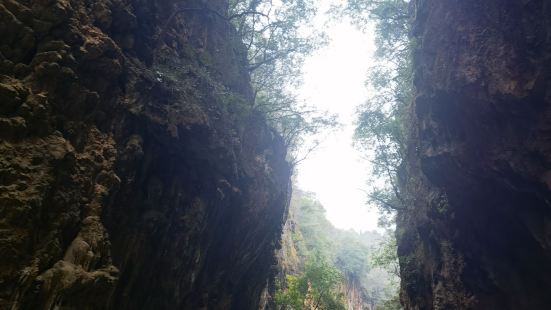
[
  {"x": 477, "y": 234},
  {"x": 354, "y": 295},
  {"x": 133, "y": 174},
  {"x": 289, "y": 258}
]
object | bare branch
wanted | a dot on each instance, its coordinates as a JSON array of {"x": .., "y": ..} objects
[{"x": 238, "y": 15}]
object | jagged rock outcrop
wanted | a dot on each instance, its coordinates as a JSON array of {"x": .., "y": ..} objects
[
  {"x": 478, "y": 232},
  {"x": 354, "y": 295},
  {"x": 133, "y": 174},
  {"x": 289, "y": 259}
]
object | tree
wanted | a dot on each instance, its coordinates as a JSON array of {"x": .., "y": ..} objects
[
  {"x": 315, "y": 289},
  {"x": 382, "y": 131},
  {"x": 324, "y": 282},
  {"x": 348, "y": 252},
  {"x": 293, "y": 295},
  {"x": 382, "y": 124},
  {"x": 278, "y": 36},
  {"x": 313, "y": 225},
  {"x": 386, "y": 257},
  {"x": 352, "y": 256}
]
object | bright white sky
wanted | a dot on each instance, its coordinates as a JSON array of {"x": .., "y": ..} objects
[{"x": 334, "y": 81}]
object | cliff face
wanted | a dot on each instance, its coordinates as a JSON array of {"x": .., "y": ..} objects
[
  {"x": 289, "y": 257},
  {"x": 354, "y": 295},
  {"x": 478, "y": 234},
  {"x": 132, "y": 173}
]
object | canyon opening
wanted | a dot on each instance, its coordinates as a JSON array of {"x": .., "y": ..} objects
[{"x": 275, "y": 154}]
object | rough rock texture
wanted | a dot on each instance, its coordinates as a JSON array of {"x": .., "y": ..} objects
[
  {"x": 478, "y": 233},
  {"x": 132, "y": 173},
  {"x": 289, "y": 259},
  {"x": 354, "y": 295}
]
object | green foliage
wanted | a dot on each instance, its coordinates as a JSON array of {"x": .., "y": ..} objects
[
  {"x": 392, "y": 23},
  {"x": 278, "y": 36},
  {"x": 382, "y": 131},
  {"x": 314, "y": 227},
  {"x": 272, "y": 33},
  {"x": 293, "y": 295},
  {"x": 382, "y": 125},
  {"x": 324, "y": 279},
  {"x": 386, "y": 257},
  {"x": 352, "y": 256},
  {"x": 316, "y": 288},
  {"x": 195, "y": 86},
  {"x": 391, "y": 303},
  {"x": 314, "y": 238}
]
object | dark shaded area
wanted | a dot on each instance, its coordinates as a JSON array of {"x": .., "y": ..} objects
[
  {"x": 478, "y": 233},
  {"x": 133, "y": 174}
]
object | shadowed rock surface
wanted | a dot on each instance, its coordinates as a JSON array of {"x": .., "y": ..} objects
[
  {"x": 478, "y": 234},
  {"x": 132, "y": 173}
]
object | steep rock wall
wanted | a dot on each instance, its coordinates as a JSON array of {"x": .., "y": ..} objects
[
  {"x": 354, "y": 295},
  {"x": 133, "y": 174},
  {"x": 289, "y": 259},
  {"x": 477, "y": 234}
]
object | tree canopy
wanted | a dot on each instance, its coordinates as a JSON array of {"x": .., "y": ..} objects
[
  {"x": 381, "y": 132},
  {"x": 278, "y": 36},
  {"x": 327, "y": 252},
  {"x": 316, "y": 288}
]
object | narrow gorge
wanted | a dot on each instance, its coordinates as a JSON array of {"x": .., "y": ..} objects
[{"x": 149, "y": 152}]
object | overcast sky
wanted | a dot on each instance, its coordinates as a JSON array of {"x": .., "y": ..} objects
[{"x": 334, "y": 80}]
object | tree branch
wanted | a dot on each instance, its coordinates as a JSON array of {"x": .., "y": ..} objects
[{"x": 238, "y": 15}]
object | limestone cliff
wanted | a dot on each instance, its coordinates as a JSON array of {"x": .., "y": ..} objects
[
  {"x": 133, "y": 174},
  {"x": 355, "y": 296},
  {"x": 478, "y": 232}
]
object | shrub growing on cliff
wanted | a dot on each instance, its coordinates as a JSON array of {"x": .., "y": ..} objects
[
  {"x": 316, "y": 288},
  {"x": 278, "y": 36}
]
